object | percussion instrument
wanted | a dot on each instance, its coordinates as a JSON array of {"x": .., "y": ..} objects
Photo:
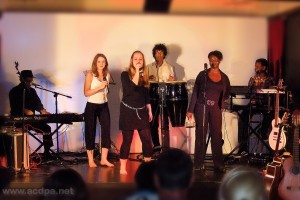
[{"x": 175, "y": 95}]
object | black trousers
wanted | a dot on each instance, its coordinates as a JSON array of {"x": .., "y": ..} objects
[
  {"x": 127, "y": 139},
  {"x": 213, "y": 122},
  {"x": 91, "y": 113},
  {"x": 155, "y": 122}
]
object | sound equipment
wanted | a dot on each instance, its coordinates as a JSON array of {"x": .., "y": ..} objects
[
  {"x": 14, "y": 150},
  {"x": 63, "y": 118},
  {"x": 289, "y": 187}
]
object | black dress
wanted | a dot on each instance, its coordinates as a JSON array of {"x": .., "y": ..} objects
[{"x": 133, "y": 110}]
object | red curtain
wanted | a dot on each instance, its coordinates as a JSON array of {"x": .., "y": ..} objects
[{"x": 275, "y": 47}]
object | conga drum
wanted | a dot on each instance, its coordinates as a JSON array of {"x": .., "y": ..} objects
[
  {"x": 153, "y": 91},
  {"x": 174, "y": 94},
  {"x": 177, "y": 102}
]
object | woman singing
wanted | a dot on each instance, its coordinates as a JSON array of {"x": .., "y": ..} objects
[
  {"x": 135, "y": 108},
  {"x": 96, "y": 89},
  {"x": 216, "y": 87}
]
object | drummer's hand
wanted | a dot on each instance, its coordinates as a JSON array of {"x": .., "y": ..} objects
[
  {"x": 152, "y": 77},
  {"x": 171, "y": 78},
  {"x": 189, "y": 115},
  {"x": 150, "y": 115}
]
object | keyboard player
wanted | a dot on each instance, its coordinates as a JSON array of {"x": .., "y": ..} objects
[
  {"x": 259, "y": 103},
  {"x": 32, "y": 104}
]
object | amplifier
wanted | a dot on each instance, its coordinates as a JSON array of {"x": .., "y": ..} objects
[{"x": 14, "y": 150}]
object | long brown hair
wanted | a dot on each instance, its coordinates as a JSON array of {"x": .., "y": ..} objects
[
  {"x": 94, "y": 65},
  {"x": 144, "y": 80}
]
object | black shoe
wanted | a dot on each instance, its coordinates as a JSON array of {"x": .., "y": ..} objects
[
  {"x": 48, "y": 156},
  {"x": 220, "y": 169},
  {"x": 199, "y": 168},
  {"x": 156, "y": 149}
]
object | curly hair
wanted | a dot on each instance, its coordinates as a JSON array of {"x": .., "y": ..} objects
[
  {"x": 160, "y": 47},
  {"x": 264, "y": 62},
  {"x": 216, "y": 53}
]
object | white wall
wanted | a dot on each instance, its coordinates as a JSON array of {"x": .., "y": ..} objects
[{"x": 59, "y": 47}]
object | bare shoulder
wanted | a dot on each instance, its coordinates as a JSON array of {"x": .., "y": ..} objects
[{"x": 88, "y": 73}]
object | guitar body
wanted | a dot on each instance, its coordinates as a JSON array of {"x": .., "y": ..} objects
[
  {"x": 289, "y": 187},
  {"x": 274, "y": 135},
  {"x": 272, "y": 178}
]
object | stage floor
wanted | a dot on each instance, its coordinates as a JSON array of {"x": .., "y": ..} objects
[{"x": 107, "y": 183}]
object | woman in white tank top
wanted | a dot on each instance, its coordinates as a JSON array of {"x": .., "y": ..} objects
[{"x": 96, "y": 89}]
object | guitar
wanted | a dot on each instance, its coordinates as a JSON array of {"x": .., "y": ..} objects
[
  {"x": 275, "y": 124},
  {"x": 272, "y": 178},
  {"x": 289, "y": 187},
  {"x": 274, "y": 169}
]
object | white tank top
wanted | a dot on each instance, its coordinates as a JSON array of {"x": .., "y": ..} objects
[{"x": 101, "y": 96}]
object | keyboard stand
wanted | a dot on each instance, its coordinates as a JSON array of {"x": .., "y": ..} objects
[
  {"x": 41, "y": 142},
  {"x": 251, "y": 131}
]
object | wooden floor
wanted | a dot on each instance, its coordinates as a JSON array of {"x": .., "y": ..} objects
[{"x": 107, "y": 183}]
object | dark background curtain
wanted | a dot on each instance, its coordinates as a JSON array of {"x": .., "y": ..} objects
[
  {"x": 292, "y": 56},
  {"x": 276, "y": 31}
]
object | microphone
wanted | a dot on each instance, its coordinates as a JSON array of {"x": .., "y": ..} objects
[
  {"x": 36, "y": 85},
  {"x": 141, "y": 70},
  {"x": 107, "y": 85},
  {"x": 205, "y": 66}
]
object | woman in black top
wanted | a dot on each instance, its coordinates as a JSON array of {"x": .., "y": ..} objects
[
  {"x": 135, "y": 108},
  {"x": 216, "y": 91}
]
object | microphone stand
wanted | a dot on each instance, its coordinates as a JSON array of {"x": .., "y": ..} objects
[
  {"x": 204, "y": 110},
  {"x": 55, "y": 94},
  {"x": 162, "y": 88},
  {"x": 22, "y": 169}
]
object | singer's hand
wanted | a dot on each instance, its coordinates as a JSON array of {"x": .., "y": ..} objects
[
  {"x": 105, "y": 83},
  {"x": 150, "y": 116},
  {"x": 189, "y": 115},
  {"x": 171, "y": 78}
]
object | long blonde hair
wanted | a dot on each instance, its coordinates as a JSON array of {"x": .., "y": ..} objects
[
  {"x": 94, "y": 65},
  {"x": 144, "y": 80}
]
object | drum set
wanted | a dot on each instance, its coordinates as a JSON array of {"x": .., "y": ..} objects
[{"x": 174, "y": 96}]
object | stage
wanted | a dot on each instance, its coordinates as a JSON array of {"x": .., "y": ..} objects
[{"x": 107, "y": 183}]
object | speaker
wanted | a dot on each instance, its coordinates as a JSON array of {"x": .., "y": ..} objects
[{"x": 14, "y": 152}]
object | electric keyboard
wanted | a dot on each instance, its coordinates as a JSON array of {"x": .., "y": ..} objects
[
  {"x": 63, "y": 118},
  {"x": 269, "y": 91}
]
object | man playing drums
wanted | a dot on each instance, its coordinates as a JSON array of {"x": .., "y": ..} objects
[{"x": 160, "y": 71}]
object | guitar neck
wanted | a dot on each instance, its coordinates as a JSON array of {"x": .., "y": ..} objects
[
  {"x": 277, "y": 102},
  {"x": 276, "y": 109},
  {"x": 296, "y": 146}
]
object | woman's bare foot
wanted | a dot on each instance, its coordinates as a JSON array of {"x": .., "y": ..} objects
[
  {"x": 92, "y": 164},
  {"x": 106, "y": 163},
  {"x": 123, "y": 172}
]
